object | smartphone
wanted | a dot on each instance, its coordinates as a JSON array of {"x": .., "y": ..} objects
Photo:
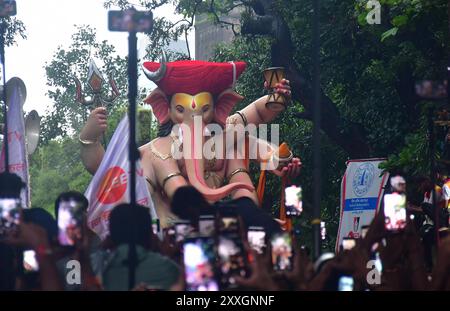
[
  {"x": 282, "y": 252},
  {"x": 199, "y": 261},
  {"x": 345, "y": 284},
  {"x": 207, "y": 225},
  {"x": 8, "y": 8},
  {"x": 348, "y": 243},
  {"x": 9, "y": 214},
  {"x": 130, "y": 20},
  {"x": 378, "y": 263},
  {"x": 183, "y": 229},
  {"x": 228, "y": 222},
  {"x": 155, "y": 226},
  {"x": 395, "y": 212},
  {"x": 364, "y": 230},
  {"x": 30, "y": 263},
  {"x": 323, "y": 231},
  {"x": 232, "y": 260},
  {"x": 293, "y": 201},
  {"x": 70, "y": 222},
  {"x": 256, "y": 237}
]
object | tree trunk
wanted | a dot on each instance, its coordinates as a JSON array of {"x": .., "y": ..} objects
[{"x": 347, "y": 134}]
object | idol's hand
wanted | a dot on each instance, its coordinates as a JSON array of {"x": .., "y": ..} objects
[
  {"x": 283, "y": 88},
  {"x": 95, "y": 125},
  {"x": 292, "y": 170}
]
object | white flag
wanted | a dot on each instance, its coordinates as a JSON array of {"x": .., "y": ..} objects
[
  {"x": 109, "y": 186},
  {"x": 18, "y": 160}
]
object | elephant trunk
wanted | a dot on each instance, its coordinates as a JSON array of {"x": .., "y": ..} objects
[{"x": 193, "y": 157}]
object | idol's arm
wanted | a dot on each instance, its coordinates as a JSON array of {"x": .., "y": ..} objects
[
  {"x": 91, "y": 150},
  {"x": 256, "y": 113},
  {"x": 237, "y": 172}
]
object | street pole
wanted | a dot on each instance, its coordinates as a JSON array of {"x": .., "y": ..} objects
[
  {"x": 4, "y": 95},
  {"x": 133, "y": 152},
  {"x": 317, "y": 183},
  {"x": 131, "y": 21}
]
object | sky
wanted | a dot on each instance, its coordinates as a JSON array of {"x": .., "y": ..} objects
[{"x": 49, "y": 24}]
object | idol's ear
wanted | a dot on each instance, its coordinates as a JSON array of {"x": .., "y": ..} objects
[
  {"x": 225, "y": 103},
  {"x": 160, "y": 105}
]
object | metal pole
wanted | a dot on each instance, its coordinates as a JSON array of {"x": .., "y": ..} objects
[
  {"x": 133, "y": 151},
  {"x": 4, "y": 95},
  {"x": 317, "y": 184},
  {"x": 432, "y": 152}
]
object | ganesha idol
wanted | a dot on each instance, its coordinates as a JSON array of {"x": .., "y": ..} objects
[{"x": 193, "y": 95}]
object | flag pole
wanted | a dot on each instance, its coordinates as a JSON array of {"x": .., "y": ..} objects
[{"x": 317, "y": 183}]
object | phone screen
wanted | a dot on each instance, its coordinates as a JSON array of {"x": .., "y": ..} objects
[
  {"x": 182, "y": 230},
  {"x": 9, "y": 214},
  {"x": 232, "y": 260},
  {"x": 155, "y": 226},
  {"x": 378, "y": 262},
  {"x": 206, "y": 225},
  {"x": 348, "y": 243},
  {"x": 323, "y": 231},
  {"x": 70, "y": 219},
  {"x": 395, "y": 211},
  {"x": 346, "y": 284},
  {"x": 130, "y": 20},
  {"x": 30, "y": 263},
  {"x": 228, "y": 224},
  {"x": 293, "y": 201},
  {"x": 256, "y": 237},
  {"x": 199, "y": 261},
  {"x": 281, "y": 252}
]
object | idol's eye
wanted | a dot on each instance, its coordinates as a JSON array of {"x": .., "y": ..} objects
[
  {"x": 205, "y": 108},
  {"x": 179, "y": 108}
]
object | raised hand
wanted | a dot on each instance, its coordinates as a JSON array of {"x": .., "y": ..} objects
[
  {"x": 303, "y": 269},
  {"x": 261, "y": 272},
  {"x": 95, "y": 126},
  {"x": 283, "y": 88},
  {"x": 291, "y": 170}
]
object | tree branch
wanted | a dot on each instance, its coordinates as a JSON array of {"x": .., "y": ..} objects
[{"x": 349, "y": 135}]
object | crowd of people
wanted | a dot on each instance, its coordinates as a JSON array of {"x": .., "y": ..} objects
[{"x": 212, "y": 249}]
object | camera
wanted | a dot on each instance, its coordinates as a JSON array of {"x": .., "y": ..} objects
[
  {"x": 130, "y": 21},
  {"x": 8, "y": 8}
]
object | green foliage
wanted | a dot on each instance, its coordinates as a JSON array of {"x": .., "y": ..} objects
[
  {"x": 13, "y": 28},
  {"x": 368, "y": 71},
  {"x": 56, "y": 167},
  {"x": 67, "y": 116}
]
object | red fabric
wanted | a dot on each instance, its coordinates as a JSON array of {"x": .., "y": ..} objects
[{"x": 193, "y": 77}]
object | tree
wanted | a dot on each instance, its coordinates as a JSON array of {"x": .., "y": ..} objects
[
  {"x": 67, "y": 116},
  {"x": 56, "y": 167},
  {"x": 369, "y": 107},
  {"x": 13, "y": 28}
]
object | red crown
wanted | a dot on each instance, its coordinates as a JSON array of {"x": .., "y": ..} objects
[{"x": 193, "y": 77}]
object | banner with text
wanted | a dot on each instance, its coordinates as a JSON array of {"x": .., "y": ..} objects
[
  {"x": 361, "y": 192},
  {"x": 110, "y": 186},
  {"x": 18, "y": 158}
]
